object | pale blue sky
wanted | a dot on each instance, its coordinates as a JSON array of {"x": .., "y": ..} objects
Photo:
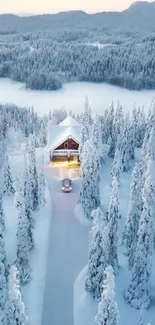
[{"x": 50, "y": 6}]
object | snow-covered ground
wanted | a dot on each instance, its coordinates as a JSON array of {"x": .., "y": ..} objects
[
  {"x": 56, "y": 293},
  {"x": 85, "y": 308},
  {"x": 72, "y": 97},
  {"x": 33, "y": 292},
  {"x": 68, "y": 249}
]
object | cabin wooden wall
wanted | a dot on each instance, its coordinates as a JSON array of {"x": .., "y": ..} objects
[{"x": 69, "y": 144}]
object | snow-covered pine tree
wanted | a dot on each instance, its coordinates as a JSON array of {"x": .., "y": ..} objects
[
  {"x": 108, "y": 313},
  {"x": 88, "y": 112},
  {"x": 4, "y": 271},
  {"x": 33, "y": 172},
  {"x": 15, "y": 309},
  {"x": 116, "y": 130},
  {"x": 151, "y": 145},
  {"x": 124, "y": 146},
  {"x": 2, "y": 216},
  {"x": 141, "y": 127},
  {"x": 147, "y": 152},
  {"x": 138, "y": 293},
  {"x": 134, "y": 122},
  {"x": 111, "y": 118},
  {"x": 41, "y": 188},
  {"x": 142, "y": 315},
  {"x": 23, "y": 242},
  {"x": 8, "y": 185},
  {"x": 150, "y": 122},
  {"x": 97, "y": 136},
  {"x": 28, "y": 203},
  {"x": 113, "y": 218},
  {"x": 95, "y": 132},
  {"x": 2, "y": 149},
  {"x": 130, "y": 235},
  {"x": 90, "y": 171},
  {"x": 43, "y": 133},
  {"x": 143, "y": 159},
  {"x": 98, "y": 257},
  {"x": 116, "y": 166},
  {"x": 85, "y": 126},
  {"x": 3, "y": 258},
  {"x": 131, "y": 141},
  {"x": 105, "y": 132},
  {"x": 113, "y": 142},
  {"x": 3, "y": 293}
]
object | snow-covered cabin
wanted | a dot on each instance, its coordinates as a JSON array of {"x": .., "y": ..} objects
[{"x": 63, "y": 141}]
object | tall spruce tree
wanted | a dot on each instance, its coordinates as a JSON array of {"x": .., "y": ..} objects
[
  {"x": 141, "y": 126},
  {"x": 124, "y": 146},
  {"x": 3, "y": 294},
  {"x": 90, "y": 171},
  {"x": 143, "y": 159},
  {"x": 138, "y": 293},
  {"x": 15, "y": 309},
  {"x": 116, "y": 130},
  {"x": 4, "y": 271},
  {"x": 108, "y": 313},
  {"x": 130, "y": 235},
  {"x": 96, "y": 132},
  {"x": 131, "y": 142},
  {"x": 85, "y": 126},
  {"x": 28, "y": 203},
  {"x": 116, "y": 166},
  {"x": 105, "y": 131},
  {"x": 134, "y": 120},
  {"x": 23, "y": 241},
  {"x": 2, "y": 216},
  {"x": 98, "y": 256},
  {"x": 111, "y": 118},
  {"x": 150, "y": 122},
  {"x": 41, "y": 188},
  {"x": 113, "y": 217},
  {"x": 8, "y": 184},
  {"x": 151, "y": 145},
  {"x": 3, "y": 258},
  {"x": 43, "y": 133},
  {"x": 33, "y": 172}
]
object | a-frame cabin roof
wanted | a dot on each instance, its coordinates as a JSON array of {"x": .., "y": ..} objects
[
  {"x": 69, "y": 121},
  {"x": 57, "y": 134}
]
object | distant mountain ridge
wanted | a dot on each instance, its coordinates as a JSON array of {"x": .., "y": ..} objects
[{"x": 141, "y": 14}]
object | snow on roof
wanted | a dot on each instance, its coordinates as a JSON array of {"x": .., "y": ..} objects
[
  {"x": 57, "y": 134},
  {"x": 70, "y": 121}
]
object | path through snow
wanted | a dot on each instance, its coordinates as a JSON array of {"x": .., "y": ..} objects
[{"x": 68, "y": 250}]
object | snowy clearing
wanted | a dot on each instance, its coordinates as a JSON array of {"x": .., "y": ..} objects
[{"x": 72, "y": 97}]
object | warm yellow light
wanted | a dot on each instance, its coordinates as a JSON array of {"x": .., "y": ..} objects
[{"x": 71, "y": 164}]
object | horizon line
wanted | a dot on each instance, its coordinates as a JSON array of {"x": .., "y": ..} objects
[{"x": 31, "y": 14}]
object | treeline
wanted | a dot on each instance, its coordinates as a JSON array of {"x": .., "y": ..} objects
[{"x": 47, "y": 64}]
